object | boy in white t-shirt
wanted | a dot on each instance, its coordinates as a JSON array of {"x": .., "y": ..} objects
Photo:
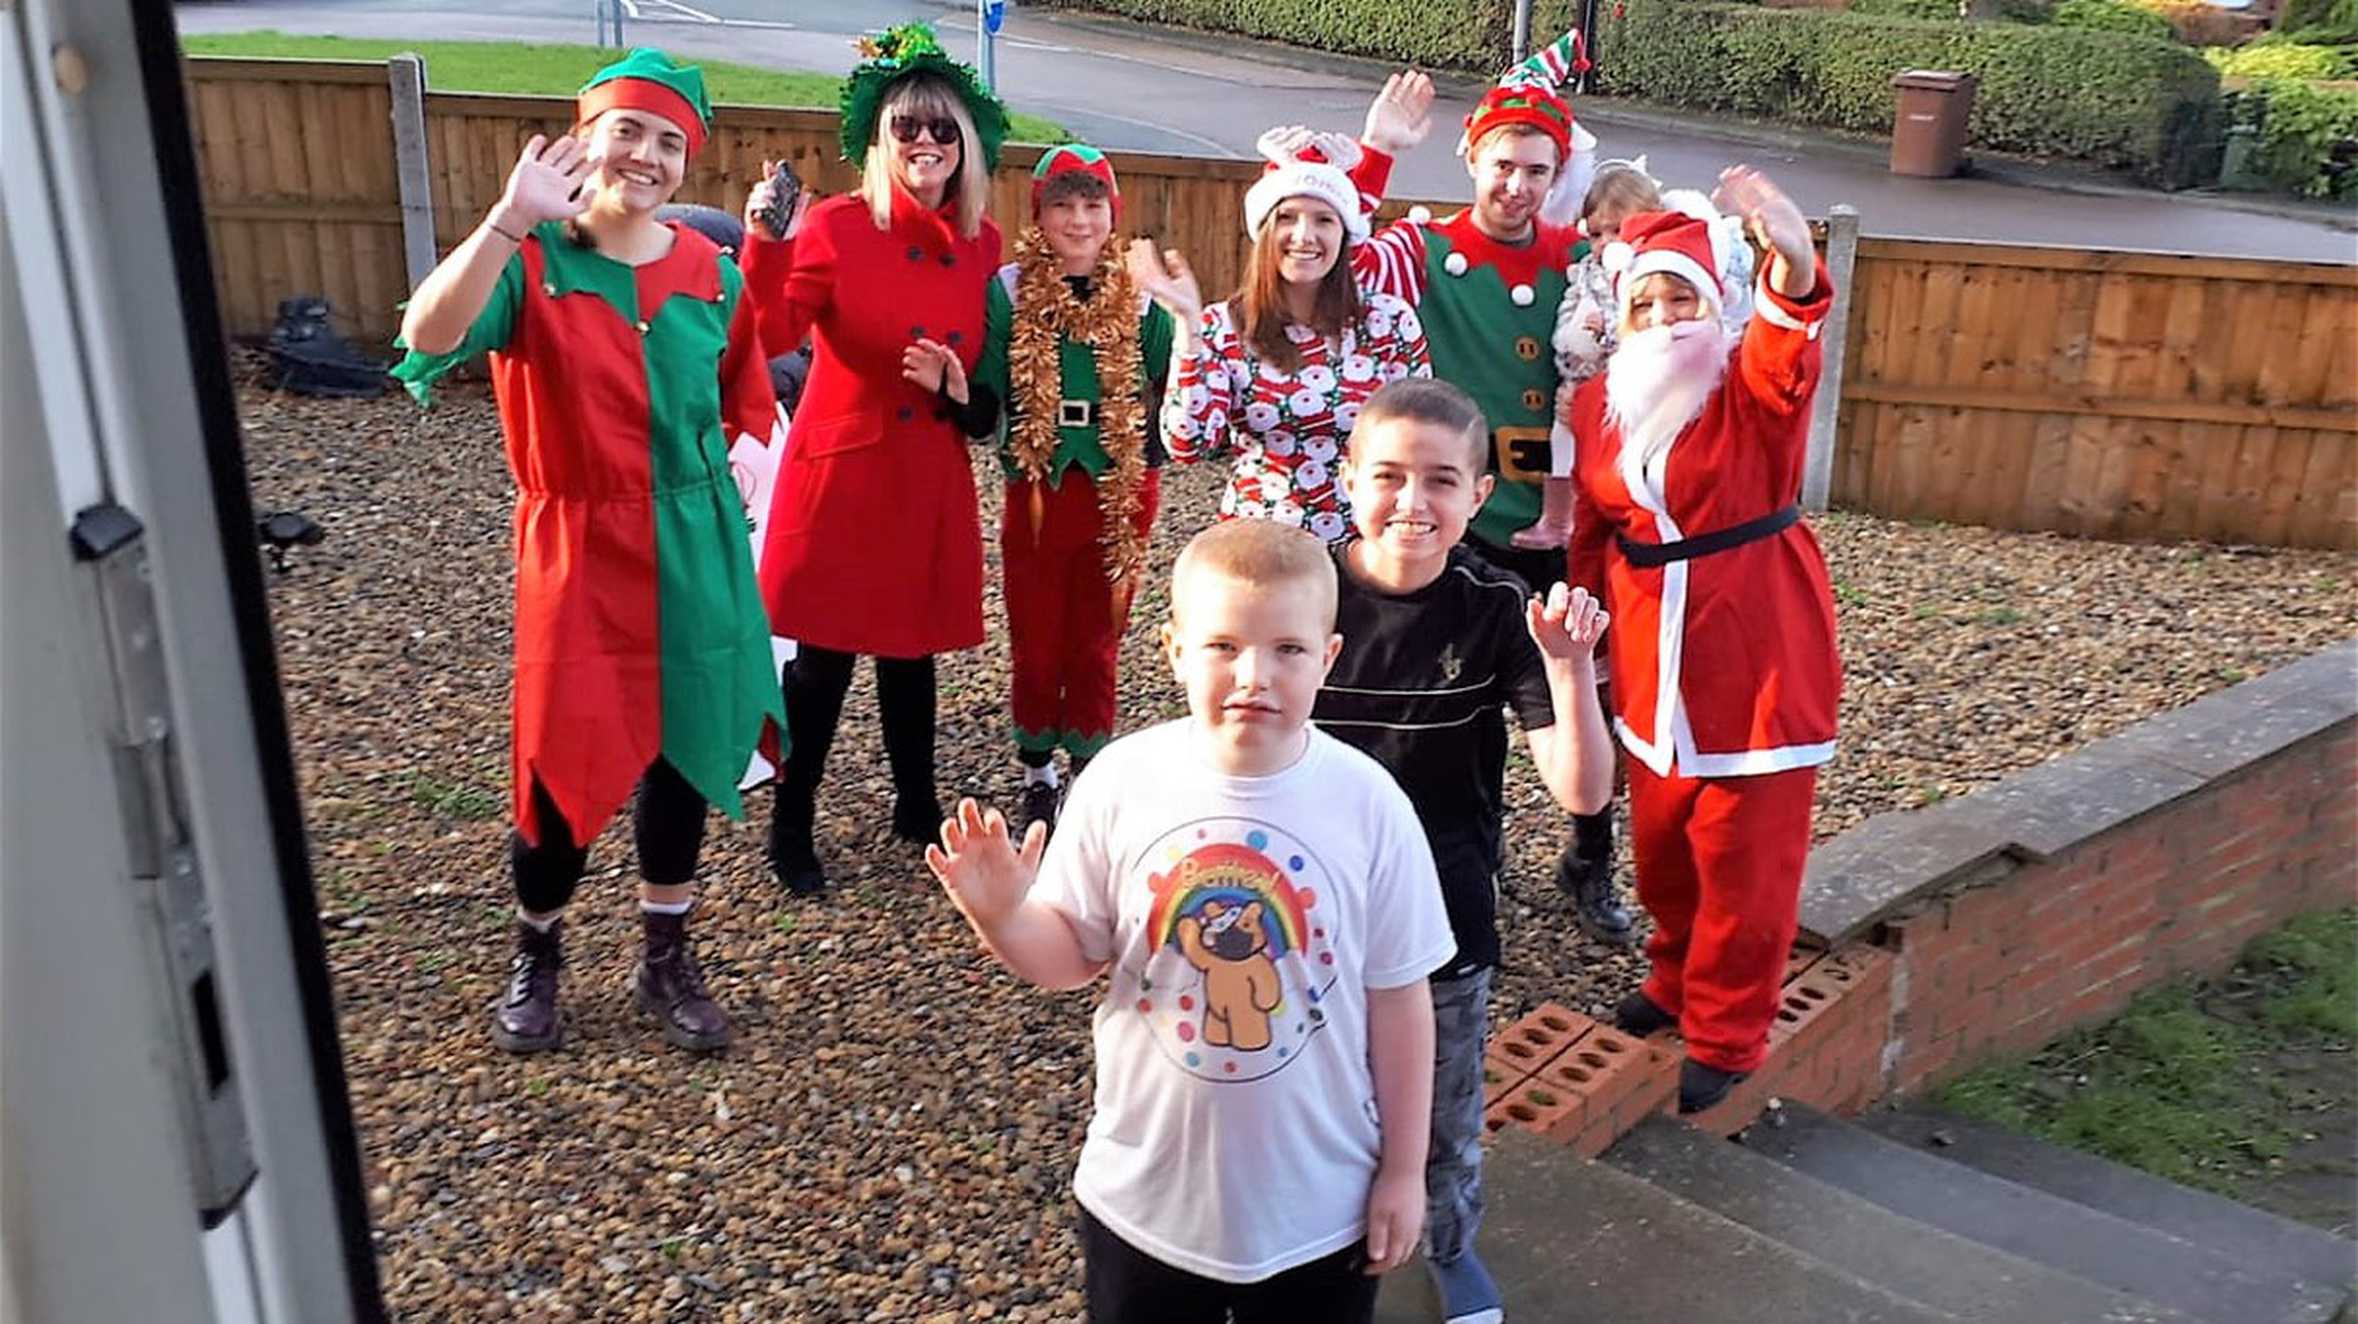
[{"x": 1266, "y": 904}]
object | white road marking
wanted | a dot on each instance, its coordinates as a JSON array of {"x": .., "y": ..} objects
[{"x": 697, "y": 14}]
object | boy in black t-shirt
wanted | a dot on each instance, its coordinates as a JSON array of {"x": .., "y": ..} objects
[{"x": 1435, "y": 643}]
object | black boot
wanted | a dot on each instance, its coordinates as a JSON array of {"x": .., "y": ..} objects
[
  {"x": 1585, "y": 873},
  {"x": 815, "y": 685},
  {"x": 526, "y": 1020},
  {"x": 794, "y": 861},
  {"x": 1637, "y": 1014},
  {"x": 671, "y": 988},
  {"x": 1038, "y": 804},
  {"x": 1701, "y": 1087}
]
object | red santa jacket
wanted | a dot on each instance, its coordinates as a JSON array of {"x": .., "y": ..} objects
[{"x": 1723, "y": 665}]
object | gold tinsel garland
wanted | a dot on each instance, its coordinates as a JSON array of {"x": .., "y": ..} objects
[{"x": 1045, "y": 311}]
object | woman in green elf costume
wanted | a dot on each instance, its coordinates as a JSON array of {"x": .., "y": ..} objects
[{"x": 625, "y": 358}]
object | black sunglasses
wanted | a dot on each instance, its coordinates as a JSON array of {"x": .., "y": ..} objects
[{"x": 942, "y": 128}]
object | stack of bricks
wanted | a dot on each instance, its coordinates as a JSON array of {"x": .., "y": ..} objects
[
  {"x": 1826, "y": 1044},
  {"x": 1562, "y": 1076}
]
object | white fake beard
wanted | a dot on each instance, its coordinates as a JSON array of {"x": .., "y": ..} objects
[{"x": 1660, "y": 378}]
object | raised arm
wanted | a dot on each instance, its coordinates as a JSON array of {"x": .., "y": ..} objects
[
  {"x": 540, "y": 188},
  {"x": 1777, "y": 363},
  {"x": 791, "y": 277},
  {"x": 1574, "y": 754},
  {"x": 989, "y": 879},
  {"x": 1198, "y": 391}
]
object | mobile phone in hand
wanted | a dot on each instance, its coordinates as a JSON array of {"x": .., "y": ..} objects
[{"x": 785, "y": 192}]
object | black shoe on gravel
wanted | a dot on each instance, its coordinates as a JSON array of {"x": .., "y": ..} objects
[
  {"x": 1701, "y": 1088},
  {"x": 918, "y": 819},
  {"x": 1637, "y": 1014},
  {"x": 796, "y": 867},
  {"x": 671, "y": 989},
  {"x": 526, "y": 1020},
  {"x": 1040, "y": 803},
  {"x": 1588, "y": 880}
]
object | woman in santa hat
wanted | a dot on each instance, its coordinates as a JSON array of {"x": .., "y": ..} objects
[
  {"x": 874, "y": 543},
  {"x": 1276, "y": 374},
  {"x": 1725, "y": 675}
]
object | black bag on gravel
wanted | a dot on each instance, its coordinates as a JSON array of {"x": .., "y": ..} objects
[{"x": 309, "y": 358}]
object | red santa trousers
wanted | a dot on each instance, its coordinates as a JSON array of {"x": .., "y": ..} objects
[
  {"x": 1063, "y": 627},
  {"x": 1719, "y": 863}
]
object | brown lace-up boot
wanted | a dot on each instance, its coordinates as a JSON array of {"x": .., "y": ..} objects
[{"x": 671, "y": 988}]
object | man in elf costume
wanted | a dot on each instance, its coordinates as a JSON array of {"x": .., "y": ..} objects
[
  {"x": 1486, "y": 282},
  {"x": 625, "y": 358},
  {"x": 1725, "y": 675},
  {"x": 1083, "y": 463}
]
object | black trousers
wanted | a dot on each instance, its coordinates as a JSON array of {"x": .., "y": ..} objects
[
  {"x": 1592, "y": 834},
  {"x": 668, "y": 821},
  {"x": 1125, "y": 1285},
  {"x": 814, "y": 688}
]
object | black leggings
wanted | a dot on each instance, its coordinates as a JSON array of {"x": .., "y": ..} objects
[
  {"x": 668, "y": 821},
  {"x": 1125, "y": 1285},
  {"x": 815, "y": 686}
]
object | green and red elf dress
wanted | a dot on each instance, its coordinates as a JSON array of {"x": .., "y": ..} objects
[
  {"x": 874, "y": 543},
  {"x": 639, "y": 626},
  {"x": 1084, "y": 472}
]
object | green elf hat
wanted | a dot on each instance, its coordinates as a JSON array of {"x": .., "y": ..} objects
[
  {"x": 1075, "y": 159},
  {"x": 893, "y": 55},
  {"x": 646, "y": 79}
]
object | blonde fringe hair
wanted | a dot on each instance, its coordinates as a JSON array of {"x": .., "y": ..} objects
[
  {"x": 970, "y": 184},
  {"x": 1262, "y": 555}
]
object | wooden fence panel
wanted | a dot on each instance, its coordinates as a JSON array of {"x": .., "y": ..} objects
[{"x": 2113, "y": 395}]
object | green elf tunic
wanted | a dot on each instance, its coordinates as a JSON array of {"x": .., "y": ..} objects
[
  {"x": 640, "y": 632},
  {"x": 1077, "y": 366}
]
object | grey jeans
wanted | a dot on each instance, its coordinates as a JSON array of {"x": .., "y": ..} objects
[{"x": 1453, "y": 1163}]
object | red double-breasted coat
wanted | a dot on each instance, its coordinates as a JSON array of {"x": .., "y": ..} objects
[
  {"x": 1723, "y": 665},
  {"x": 874, "y": 544}
]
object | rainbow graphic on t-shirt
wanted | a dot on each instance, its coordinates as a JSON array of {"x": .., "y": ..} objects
[{"x": 1233, "y": 875}]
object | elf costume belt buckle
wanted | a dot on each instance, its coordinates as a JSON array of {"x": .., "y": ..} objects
[{"x": 1076, "y": 413}]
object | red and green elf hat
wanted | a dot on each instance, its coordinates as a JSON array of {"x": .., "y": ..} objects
[
  {"x": 646, "y": 79},
  {"x": 1075, "y": 158},
  {"x": 1526, "y": 94}
]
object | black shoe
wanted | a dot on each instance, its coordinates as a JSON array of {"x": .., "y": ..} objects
[
  {"x": 1700, "y": 1088},
  {"x": 671, "y": 988},
  {"x": 1039, "y": 804},
  {"x": 1588, "y": 880},
  {"x": 1637, "y": 1014},
  {"x": 794, "y": 861},
  {"x": 917, "y": 818},
  {"x": 526, "y": 1020}
]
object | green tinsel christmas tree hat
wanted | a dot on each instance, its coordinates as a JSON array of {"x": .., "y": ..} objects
[
  {"x": 646, "y": 79},
  {"x": 897, "y": 53}
]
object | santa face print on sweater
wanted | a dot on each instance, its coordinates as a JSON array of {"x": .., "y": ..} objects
[
  {"x": 1288, "y": 430},
  {"x": 1236, "y": 961}
]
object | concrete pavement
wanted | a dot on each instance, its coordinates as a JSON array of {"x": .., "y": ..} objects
[{"x": 1138, "y": 88}]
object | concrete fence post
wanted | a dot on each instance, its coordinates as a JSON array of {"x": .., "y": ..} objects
[
  {"x": 1842, "y": 255},
  {"x": 406, "y": 75}
]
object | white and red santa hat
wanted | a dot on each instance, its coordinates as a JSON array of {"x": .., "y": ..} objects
[
  {"x": 1303, "y": 164},
  {"x": 1664, "y": 243}
]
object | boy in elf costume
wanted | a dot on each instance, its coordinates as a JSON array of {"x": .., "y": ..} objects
[
  {"x": 1084, "y": 464},
  {"x": 1486, "y": 282},
  {"x": 625, "y": 356}
]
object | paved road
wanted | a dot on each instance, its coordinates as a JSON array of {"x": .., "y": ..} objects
[{"x": 1133, "y": 88}]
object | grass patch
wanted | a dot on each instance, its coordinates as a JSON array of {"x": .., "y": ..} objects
[
  {"x": 2208, "y": 1083},
  {"x": 551, "y": 69},
  {"x": 454, "y": 799}
]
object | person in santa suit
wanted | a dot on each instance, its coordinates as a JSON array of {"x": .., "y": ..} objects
[
  {"x": 874, "y": 543},
  {"x": 625, "y": 359},
  {"x": 1687, "y": 524},
  {"x": 1486, "y": 281}
]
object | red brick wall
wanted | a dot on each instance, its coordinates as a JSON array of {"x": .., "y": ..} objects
[{"x": 2069, "y": 940}]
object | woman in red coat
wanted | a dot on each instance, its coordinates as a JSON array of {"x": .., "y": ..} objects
[{"x": 874, "y": 545}]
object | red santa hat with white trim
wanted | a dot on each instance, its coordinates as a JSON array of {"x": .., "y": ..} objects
[
  {"x": 1663, "y": 243},
  {"x": 1303, "y": 164}
]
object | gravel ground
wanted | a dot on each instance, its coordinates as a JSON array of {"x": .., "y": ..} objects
[{"x": 892, "y": 1136}]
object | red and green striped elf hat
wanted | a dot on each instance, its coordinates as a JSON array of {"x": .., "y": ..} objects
[
  {"x": 1526, "y": 94},
  {"x": 1075, "y": 158},
  {"x": 646, "y": 79}
]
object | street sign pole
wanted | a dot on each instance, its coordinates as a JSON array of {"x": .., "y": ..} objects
[
  {"x": 989, "y": 17},
  {"x": 1522, "y": 30}
]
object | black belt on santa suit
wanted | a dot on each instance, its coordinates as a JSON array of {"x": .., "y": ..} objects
[{"x": 1652, "y": 555}]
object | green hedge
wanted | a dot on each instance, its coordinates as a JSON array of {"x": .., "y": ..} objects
[
  {"x": 2283, "y": 60},
  {"x": 2109, "y": 16},
  {"x": 2300, "y": 124},
  {"x": 2148, "y": 106}
]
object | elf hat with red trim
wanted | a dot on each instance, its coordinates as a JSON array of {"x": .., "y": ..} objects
[
  {"x": 1663, "y": 243},
  {"x": 1070, "y": 159},
  {"x": 648, "y": 80}
]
